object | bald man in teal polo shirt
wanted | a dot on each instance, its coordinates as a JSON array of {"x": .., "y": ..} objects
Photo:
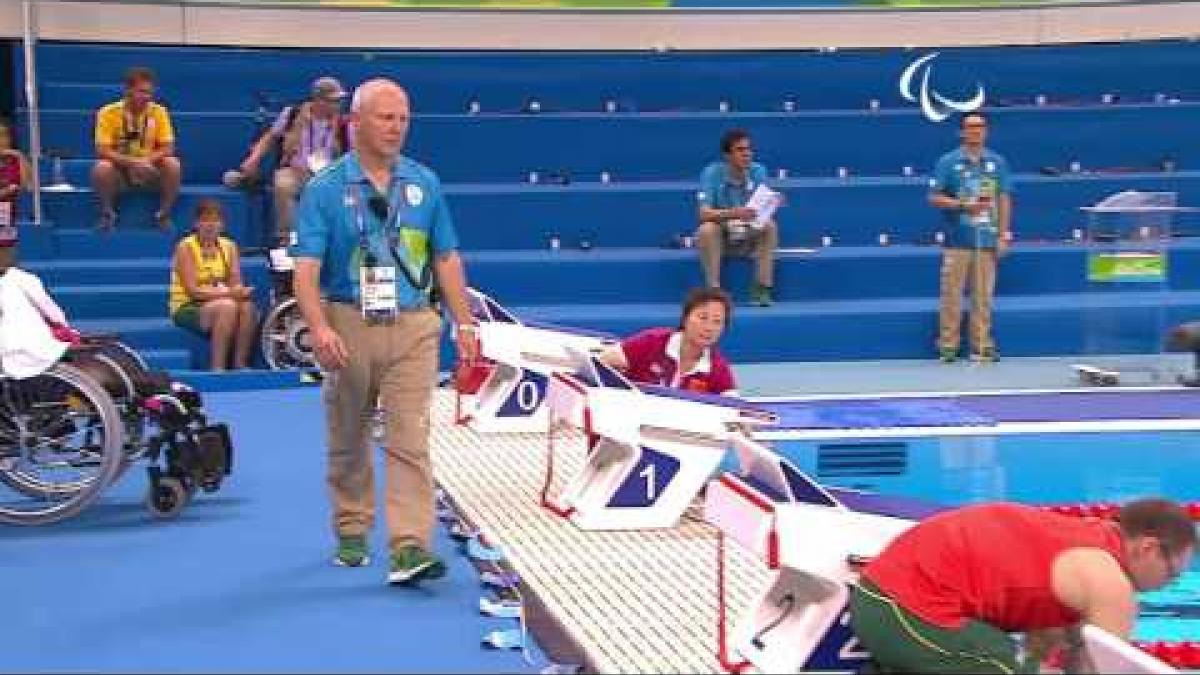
[{"x": 375, "y": 235}]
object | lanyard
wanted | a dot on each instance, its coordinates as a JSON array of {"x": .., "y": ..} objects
[
  {"x": 315, "y": 145},
  {"x": 421, "y": 280},
  {"x": 127, "y": 130},
  {"x": 204, "y": 267}
]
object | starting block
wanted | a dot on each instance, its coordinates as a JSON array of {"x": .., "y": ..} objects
[
  {"x": 815, "y": 542},
  {"x": 818, "y": 538},
  {"x": 650, "y": 449},
  {"x": 1110, "y": 654},
  {"x": 506, "y": 391}
]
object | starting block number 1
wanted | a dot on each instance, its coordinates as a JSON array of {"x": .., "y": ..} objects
[{"x": 647, "y": 481}]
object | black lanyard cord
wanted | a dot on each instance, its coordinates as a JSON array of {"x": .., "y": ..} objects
[{"x": 388, "y": 211}]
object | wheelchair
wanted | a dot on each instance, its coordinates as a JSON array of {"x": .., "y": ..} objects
[
  {"x": 74, "y": 429},
  {"x": 285, "y": 338}
]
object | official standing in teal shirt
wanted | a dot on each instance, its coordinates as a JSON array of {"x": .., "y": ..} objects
[
  {"x": 374, "y": 235},
  {"x": 972, "y": 186}
]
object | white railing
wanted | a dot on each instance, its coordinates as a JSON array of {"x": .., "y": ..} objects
[{"x": 308, "y": 25}]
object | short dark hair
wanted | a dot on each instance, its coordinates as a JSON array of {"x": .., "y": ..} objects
[
  {"x": 731, "y": 138},
  {"x": 1163, "y": 519},
  {"x": 962, "y": 120},
  {"x": 701, "y": 296},
  {"x": 139, "y": 74},
  {"x": 209, "y": 206}
]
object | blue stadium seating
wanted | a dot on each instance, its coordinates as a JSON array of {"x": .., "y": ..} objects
[
  {"x": 853, "y": 300},
  {"x": 670, "y": 146}
]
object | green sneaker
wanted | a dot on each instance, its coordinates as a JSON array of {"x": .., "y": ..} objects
[
  {"x": 413, "y": 563},
  {"x": 351, "y": 551},
  {"x": 761, "y": 295},
  {"x": 948, "y": 354}
]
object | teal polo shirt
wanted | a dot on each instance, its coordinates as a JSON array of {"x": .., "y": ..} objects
[
  {"x": 957, "y": 175},
  {"x": 718, "y": 189},
  {"x": 328, "y": 226}
]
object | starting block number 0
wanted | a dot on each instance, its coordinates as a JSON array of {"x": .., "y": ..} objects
[
  {"x": 525, "y": 397},
  {"x": 528, "y": 395}
]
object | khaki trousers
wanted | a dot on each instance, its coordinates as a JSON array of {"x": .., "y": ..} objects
[
  {"x": 396, "y": 365},
  {"x": 960, "y": 266},
  {"x": 289, "y": 182},
  {"x": 714, "y": 244}
]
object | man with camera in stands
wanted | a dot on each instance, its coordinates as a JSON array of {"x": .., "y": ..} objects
[{"x": 309, "y": 136}]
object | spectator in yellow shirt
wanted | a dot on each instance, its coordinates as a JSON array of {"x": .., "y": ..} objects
[
  {"x": 135, "y": 147},
  {"x": 208, "y": 295}
]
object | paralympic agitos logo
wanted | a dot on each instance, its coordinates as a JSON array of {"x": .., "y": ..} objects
[{"x": 935, "y": 106}]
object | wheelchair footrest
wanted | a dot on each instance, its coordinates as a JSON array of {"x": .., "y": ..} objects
[
  {"x": 215, "y": 450},
  {"x": 205, "y": 456}
]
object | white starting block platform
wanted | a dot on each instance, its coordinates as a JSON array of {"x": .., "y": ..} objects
[
  {"x": 636, "y": 601},
  {"x": 617, "y": 549},
  {"x": 680, "y": 599},
  {"x": 518, "y": 360}
]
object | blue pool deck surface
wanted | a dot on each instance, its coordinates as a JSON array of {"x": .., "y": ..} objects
[{"x": 247, "y": 568}]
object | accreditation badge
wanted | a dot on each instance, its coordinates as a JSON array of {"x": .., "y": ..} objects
[{"x": 377, "y": 286}]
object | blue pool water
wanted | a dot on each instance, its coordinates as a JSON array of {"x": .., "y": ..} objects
[{"x": 1034, "y": 469}]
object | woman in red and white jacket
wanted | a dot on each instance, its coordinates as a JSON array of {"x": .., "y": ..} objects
[{"x": 686, "y": 357}]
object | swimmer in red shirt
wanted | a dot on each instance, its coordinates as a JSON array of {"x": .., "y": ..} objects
[{"x": 946, "y": 594}]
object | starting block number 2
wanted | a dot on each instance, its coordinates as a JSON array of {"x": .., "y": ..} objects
[{"x": 837, "y": 649}]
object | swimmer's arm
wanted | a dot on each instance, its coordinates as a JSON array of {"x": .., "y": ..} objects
[
  {"x": 1110, "y": 603},
  {"x": 1091, "y": 582},
  {"x": 614, "y": 355}
]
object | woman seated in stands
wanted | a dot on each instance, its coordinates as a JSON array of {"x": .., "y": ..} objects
[
  {"x": 207, "y": 293},
  {"x": 684, "y": 357},
  {"x": 15, "y": 174}
]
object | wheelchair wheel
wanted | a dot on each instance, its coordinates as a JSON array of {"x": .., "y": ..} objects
[
  {"x": 118, "y": 369},
  {"x": 286, "y": 342},
  {"x": 131, "y": 354},
  {"x": 61, "y": 444}
]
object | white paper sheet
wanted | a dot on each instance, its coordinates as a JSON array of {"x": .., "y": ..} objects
[{"x": 764, "y": 201}]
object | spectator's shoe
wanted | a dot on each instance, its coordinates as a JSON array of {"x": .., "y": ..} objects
[
  {"x": 986, "y": 355},
  {"x": 107, "y": 221},
  {"x": 163, "y": 220},
  {"x": 761, "y": 295},
  {"x": 351, "y": 551},
  {"x": 948, "y": 354},
  {"x": 411, "y": 564}
]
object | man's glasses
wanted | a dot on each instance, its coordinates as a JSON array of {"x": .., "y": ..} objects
[{"x": 1173, "y": 569}]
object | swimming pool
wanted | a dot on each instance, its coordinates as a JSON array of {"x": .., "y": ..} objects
[{"x": 1034, "y": 469}]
